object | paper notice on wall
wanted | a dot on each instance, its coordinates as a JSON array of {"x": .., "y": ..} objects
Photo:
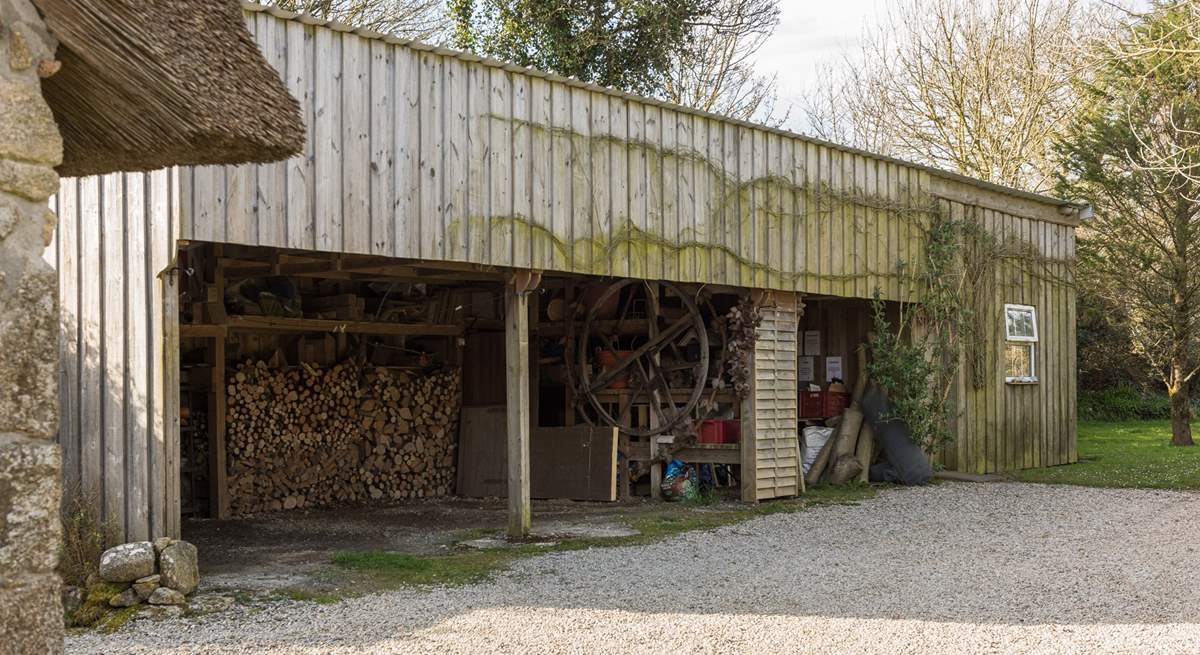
[
  {"x": 812, "y": 342},
  {"x": 833, "y": 368},
  {"x": 806, "y": 369}
]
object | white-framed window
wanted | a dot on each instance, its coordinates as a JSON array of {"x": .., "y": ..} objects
[{"x": 1020, "y": 344}]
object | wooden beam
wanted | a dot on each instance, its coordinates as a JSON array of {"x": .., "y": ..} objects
[
  {"x": 516, "y": 347},
  {"x": 203, "y": 331},
  {"x": 700, "y": 453},
  {"x": 285, "y": 324}
]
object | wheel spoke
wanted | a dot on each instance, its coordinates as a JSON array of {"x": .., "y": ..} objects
[{"x": 607, "y": 376}]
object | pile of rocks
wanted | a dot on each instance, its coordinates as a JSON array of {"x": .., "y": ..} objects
[{"x": 159, "y": 572}]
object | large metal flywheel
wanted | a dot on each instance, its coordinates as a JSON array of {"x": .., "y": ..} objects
[{"x": 649, "y": 354}]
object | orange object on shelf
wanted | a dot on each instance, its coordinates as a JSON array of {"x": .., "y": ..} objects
[{"x": 608, "y": 361}]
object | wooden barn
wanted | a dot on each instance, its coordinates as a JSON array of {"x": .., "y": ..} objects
[{"x": 480, "y": 279}]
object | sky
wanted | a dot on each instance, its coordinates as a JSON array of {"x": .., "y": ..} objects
[
  {"x": 811, "y": 32},
  {"x": 814, "y": 31}
]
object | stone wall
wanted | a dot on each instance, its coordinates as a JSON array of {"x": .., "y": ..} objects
[{"x": 30, "y": 146}]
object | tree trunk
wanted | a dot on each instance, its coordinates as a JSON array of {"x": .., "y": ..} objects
[{"x": 1181, "y": 411}]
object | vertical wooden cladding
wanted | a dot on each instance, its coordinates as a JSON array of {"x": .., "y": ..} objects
[
  {"x": 118, "y": 425},
  {"x": 1002, "y": 426},
  {"x": 424, "y": 154}
]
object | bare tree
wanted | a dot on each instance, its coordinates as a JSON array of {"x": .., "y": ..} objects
[
  {"x": 421, "y": 20},
  {"x": 715, "y": 72},
  {"x": 977, "y": 87}
]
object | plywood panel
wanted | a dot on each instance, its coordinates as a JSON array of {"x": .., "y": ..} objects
[{"x": 577, "y": 463}]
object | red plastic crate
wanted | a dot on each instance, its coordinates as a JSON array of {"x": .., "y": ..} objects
[
  {"x": 835, "y": 403},
  {"x": 720, "y": 431},
  {"x": 812, "y": 404}
]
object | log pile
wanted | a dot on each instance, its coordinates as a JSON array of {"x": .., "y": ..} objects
[{"x": 318, "y": 436}]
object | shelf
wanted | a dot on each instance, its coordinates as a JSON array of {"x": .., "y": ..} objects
[
  {"x": 701, "y": 453},
  {"x": 678, "y": 395},
  {"x": 285, "y": 324}
]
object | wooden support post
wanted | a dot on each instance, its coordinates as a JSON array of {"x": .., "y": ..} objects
[
  {"x": 569, "y": 315},
  {"x": 215, "y": 292},
  {"x": 535, "y": 367},
  {"x": 516, "y": 347},
  {"x": 749, "y": 450},
  {"x": 218, "y": 495}
]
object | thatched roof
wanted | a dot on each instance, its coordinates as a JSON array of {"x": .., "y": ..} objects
[{"x": 151, "y": 83}]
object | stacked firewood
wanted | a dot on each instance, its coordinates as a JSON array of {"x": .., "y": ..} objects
[{"x": 317, "y": 436}]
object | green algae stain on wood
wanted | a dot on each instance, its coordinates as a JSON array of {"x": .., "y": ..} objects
[{"x": 750, "y": 224}]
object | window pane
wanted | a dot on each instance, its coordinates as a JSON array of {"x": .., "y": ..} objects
[
  {"x": 1019, "y": 322},
  {"x": 1018, "y": 360}
]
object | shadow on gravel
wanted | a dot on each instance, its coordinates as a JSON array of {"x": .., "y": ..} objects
[{"x": 951, "y": 554}]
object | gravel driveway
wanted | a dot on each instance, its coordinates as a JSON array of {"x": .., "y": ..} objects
[{"x": 954, "y": 568}]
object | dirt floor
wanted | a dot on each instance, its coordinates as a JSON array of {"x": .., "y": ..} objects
[{"x": 285, "y": 549}]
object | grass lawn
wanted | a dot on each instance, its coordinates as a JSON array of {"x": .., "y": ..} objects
[{"x": 1133, "y": 454}]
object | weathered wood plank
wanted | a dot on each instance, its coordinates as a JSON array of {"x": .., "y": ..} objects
[
  {"x": 619, "y": 186},
  {"x": 270, "y": 193},
  {"x": 599, "y": 176},
  {"x": 746, "y": 224},
  {"x": 300, "y": 173},
  {"x": 113, "y": 363},
  {"x": 545, "y": 244},
  {"x": 652, "y": 139},
  {"x": 689, "y": 208},
  {"x": 161, "y": 252},
  {"x": 455, "y": 218},
  {"x": 407, "y": 167},
  {"x": 581, "y": 180},
  {"x": 522, "y": 178},
  {"x": 169, "y": 389},
  {"x": 137, "y": 381},
  {"x": 67, "y": 245},
  {"x": 670, "y": 182},
  {"x": 326, "y": 135},
  {"x": 500, "y": 168},
  {"x": 355, "y": 98},
  {"x": 639, "y": 176},
  {"x": 478, "y": 162},
  {"x": 384, "y": 113}
]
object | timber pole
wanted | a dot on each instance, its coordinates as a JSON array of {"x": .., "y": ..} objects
[
  {"x": 517, "y": 370},
  {"x": 31, "y": 619}
]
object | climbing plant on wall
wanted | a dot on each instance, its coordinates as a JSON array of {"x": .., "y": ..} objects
[
  {"x": 916, "y": 359},
  {"x": 943, "y": 330}
]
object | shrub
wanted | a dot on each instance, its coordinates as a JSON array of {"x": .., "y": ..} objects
[
  {"x": 84, "y": 538},
  {"x": 1123, "y": 403}
]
